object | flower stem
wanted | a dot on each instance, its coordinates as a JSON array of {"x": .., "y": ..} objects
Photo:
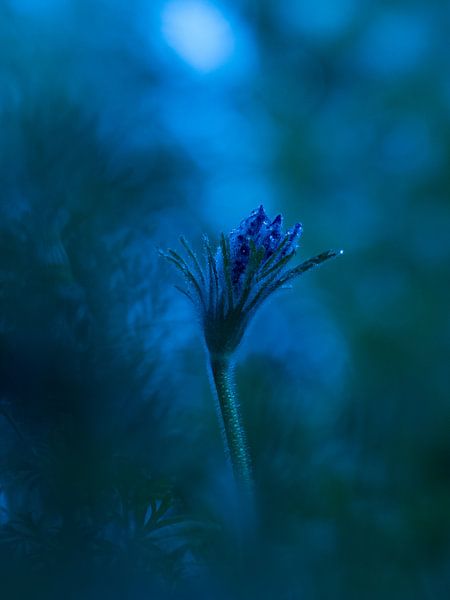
[{"x": 235, "y": 440}]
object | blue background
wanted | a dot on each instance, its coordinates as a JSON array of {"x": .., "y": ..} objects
[{"x": 124, "y": 125}]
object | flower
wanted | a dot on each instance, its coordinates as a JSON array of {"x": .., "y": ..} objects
[{"x": 250, "y": 263}]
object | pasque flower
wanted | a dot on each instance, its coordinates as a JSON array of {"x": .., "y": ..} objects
[{"x": 248, "y": 266}]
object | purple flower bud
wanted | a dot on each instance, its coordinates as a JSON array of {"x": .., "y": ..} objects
[
  {"x": 250, "y": 264},
  {"x": 264, "y": 234},
  {"x": 294, "y": 235},
  {"x": 272, "y": 237}
]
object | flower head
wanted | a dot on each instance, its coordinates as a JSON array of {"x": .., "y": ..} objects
[{"x": 250, "y": 263}]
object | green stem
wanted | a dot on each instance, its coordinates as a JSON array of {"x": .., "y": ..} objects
[{"x": 223, "y": 376}]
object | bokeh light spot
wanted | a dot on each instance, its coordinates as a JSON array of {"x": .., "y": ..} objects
[{"x": 198, "y": 32}]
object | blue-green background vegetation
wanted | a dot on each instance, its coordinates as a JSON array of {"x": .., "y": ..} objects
[{"x": 126, "y": 124}]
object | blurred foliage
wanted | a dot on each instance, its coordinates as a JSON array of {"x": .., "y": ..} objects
[{"x": 112, "y": 479}]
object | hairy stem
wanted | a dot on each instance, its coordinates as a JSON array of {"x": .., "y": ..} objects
[{"x": 236, "y": 445}]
